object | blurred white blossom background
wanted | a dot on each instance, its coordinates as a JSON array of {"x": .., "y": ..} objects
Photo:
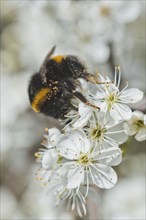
[{"x": 103, "y": 34}]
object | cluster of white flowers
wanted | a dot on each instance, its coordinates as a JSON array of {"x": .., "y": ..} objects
[{"x": 83, "y": 152}]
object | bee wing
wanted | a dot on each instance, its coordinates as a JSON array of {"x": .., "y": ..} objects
[
  {"x": 49, "y": 54},
  {"x": 43, "y": 66}
]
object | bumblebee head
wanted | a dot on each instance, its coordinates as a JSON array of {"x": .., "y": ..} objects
[{"x": 37, "y": 92}]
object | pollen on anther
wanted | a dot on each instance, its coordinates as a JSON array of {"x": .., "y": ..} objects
[{"x": 37, "y": 155}]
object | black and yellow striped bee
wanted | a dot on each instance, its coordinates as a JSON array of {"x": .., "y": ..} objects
[{"x": 51, "y": 89}]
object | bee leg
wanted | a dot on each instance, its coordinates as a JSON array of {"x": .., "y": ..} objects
[
  {"x": 79, "y": 96},
  {"x": 71, "y": 89},
  {"x": 94, "y": 79}
]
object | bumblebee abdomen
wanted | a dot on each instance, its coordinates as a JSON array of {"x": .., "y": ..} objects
[
  {"x": 39, "y": 99},
  {"x": 35, "y": 85},
  {"x": 48, "y": 98},
  {"x": 38, "y": 92},
  {"x": 57, "y": 107}
]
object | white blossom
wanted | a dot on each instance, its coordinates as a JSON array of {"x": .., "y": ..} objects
[
  {"x": 75, "y": 199},
  {"x": 56, "y": 184},
  {"x": 48, "y": 156},
  {"x": 83, "y": 153},
  {"x": 105, "y": 132},
  {"x": 111, "y": 18},
  {"x": 111, "y": 99},
  {"x": 100, "y": 127},
  {"x": 85, "y": 163},
  {"x": 88, "y": 146},
  {"x": 136, "y": 126}
]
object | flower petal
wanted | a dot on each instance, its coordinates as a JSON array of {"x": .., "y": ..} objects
[
  {"x": 141, "y": 135},
  {"x": 109, "y": 121},
  {"x": 45, "y": 175},
  {"x": 111, "y": 156},
  {"x": 84, "y": 85},
  {"x": 49, "y": 159},
  {"x": 120, "y": 112},
  {"x": 75, "y": 177},
  {"x": 104, "y": 176},
  {"x": 54, "y": 133},
  {"x": 52, "y": 137},
  {"x": 100, "y": 95},
  {"x": 83, "y": 141},
  {"x": 106, "y": 143},
  {"x": 68, "y": 148},
  {"x": 137, "y": 115},
  {"x": 101, "y": 118},
  {"x": 84, "y": 115},
  {"x": 119, "y": 137},
  {"x": 71, "y": 145},
  {"x": 131, "y": 95},
  {"x": 129, "y": 129},
  {"x": 103, "y": 106}
]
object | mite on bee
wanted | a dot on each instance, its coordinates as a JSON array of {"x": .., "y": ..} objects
[{"x": 51, "y": 89}]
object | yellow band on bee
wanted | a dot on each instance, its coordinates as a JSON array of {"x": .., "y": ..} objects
[
  {"x": 40, "y": 97},
  {"x": 58, "y": 58}
]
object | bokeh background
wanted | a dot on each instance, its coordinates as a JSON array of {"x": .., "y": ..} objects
[{"x": 103, "y": 34}]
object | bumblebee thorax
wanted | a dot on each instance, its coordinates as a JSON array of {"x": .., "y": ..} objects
[{"x": 58, "y": 58}]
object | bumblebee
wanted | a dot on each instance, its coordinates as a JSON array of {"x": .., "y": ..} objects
[{"x": 51, "y": 89}]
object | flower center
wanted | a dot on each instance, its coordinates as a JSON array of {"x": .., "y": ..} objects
[
  {"x": 84, "y": 159},
  {"x": 139, "y": 124},
  {"x": 111, "y": 99},
  {"x": 105, "y": 11},
  {"x": 97, "y": 132}
]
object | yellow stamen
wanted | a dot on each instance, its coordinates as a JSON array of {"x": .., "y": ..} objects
[
  {"x": 84, "y": 159},
  {"x": 119, "y": 68},
  {"x": 37, "y": 155}
]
